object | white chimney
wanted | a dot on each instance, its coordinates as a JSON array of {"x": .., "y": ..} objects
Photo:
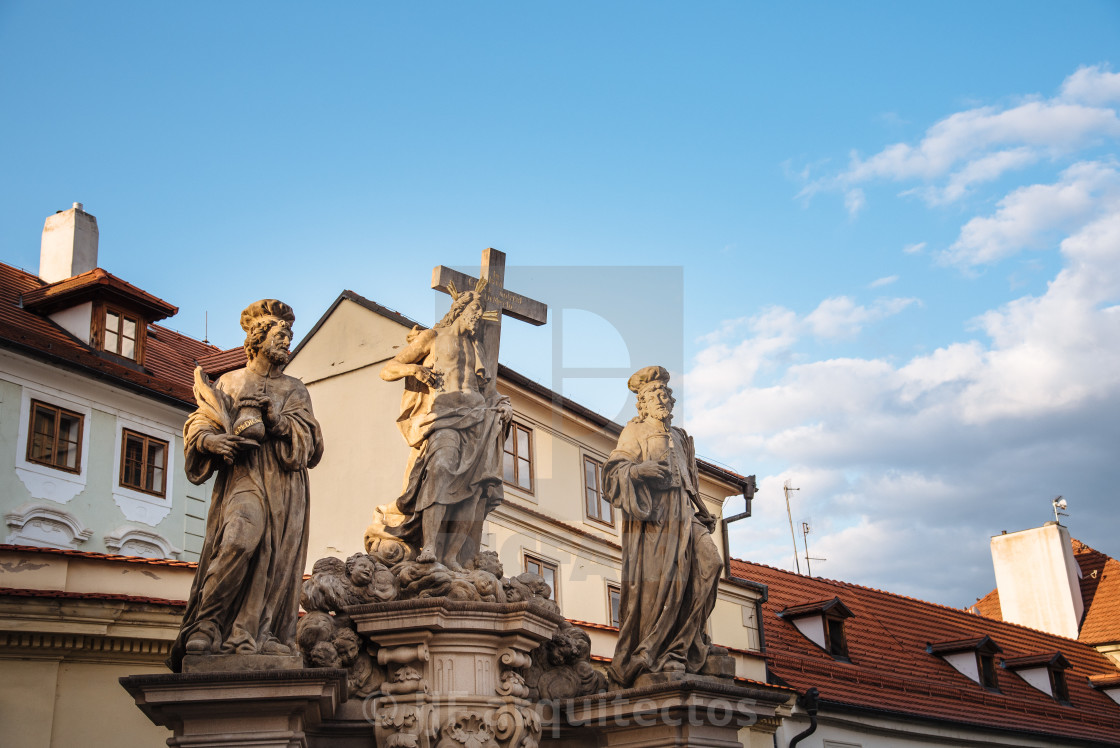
[
  {"x": 69, "y": 245},
  {"x": 1038, "y": 579}
]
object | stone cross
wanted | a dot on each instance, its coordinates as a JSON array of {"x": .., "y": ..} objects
[{"x": 497, "y": 298}]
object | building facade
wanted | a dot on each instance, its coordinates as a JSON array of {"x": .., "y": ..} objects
[{"x": 101, "y": 524}]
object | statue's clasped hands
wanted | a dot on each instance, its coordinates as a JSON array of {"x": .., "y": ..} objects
[
  {"x": 655, "y": 472},
  {"x": 226, "y": 446}
]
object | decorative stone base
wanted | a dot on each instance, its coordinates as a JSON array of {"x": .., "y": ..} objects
[
  {"x": 678, "y": 711},
  {"x": 226, "y": 663},
  {"x": 263, "y": 709},
  {"x": 455, "y": 671}
]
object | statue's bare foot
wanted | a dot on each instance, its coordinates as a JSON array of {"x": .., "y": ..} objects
[
  {"x": 453, "y": 565},
  {"x": 426, "y": 556},
  {"x": 673, "y": 667}
]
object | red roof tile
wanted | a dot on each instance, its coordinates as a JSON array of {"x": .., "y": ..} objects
[
  {"x": 169, "y": 362},
  {"x": 216, "y": 364},
  {"x": 97, "y": 282},
  {"x": 99, "y": 556},
  {"x": 892, "y": 673},
  {"x": 19, "y": 592},
  {"x": 988, "y": 606},
  {"x": 1100, "y": 591}
]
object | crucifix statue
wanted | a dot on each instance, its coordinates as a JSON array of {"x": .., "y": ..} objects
[{"x": 453, "y": 418}]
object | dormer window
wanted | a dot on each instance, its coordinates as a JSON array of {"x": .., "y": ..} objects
[
  {"x": 987, "y": 670},
  {"x": 122, "y": 334},
  {"x": 822, "y": 622},
  {"x": 974, "y": 658},
  {"x": 1106, "y": 683},
  {"x": 102, "y": 311},
  {"x": 1046, "y": 672},
  {"x": 834, "y": 635}
]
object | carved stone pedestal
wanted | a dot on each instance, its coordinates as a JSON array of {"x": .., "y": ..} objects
[
  {"x": 455, "y": 671},
  {"x": 263, "y": 709},
  {"x": 695, "y": 711}
]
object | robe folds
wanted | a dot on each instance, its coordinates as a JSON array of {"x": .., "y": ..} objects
[
  {"x": 670, "y": 565},
  {"x": 468, "y": 423},
  {"x": 250, "y": 571}
]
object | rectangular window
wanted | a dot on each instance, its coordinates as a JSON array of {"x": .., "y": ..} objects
[
  {"x": 1058, "y": 686},
  {"x": 837, "y": 641},
  {"x": 55, "y": 437},
  {"x": 121, "y": 334},
  {"x": 144, "y": 463},
  {"x": 517, "y": 466},
  {"x": 988, "y": 671},
  {"x": 614, "y": 599},
  {"x": 545, "y": 569},
  {"x": 598, "y": 508}
]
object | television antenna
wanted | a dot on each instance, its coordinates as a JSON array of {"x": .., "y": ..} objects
[
  {"x": 1059, "y": 504},
  {"x": 792, "y": 535},
  {"x": 805, "y": 530}
]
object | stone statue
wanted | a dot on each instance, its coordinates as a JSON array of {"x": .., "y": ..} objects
[
  {"x": 454, "y": 420},
  {"x": 455, "y": 426},
  {"x": 255, "y": 430},
  {"x": 670, "y": 565}
]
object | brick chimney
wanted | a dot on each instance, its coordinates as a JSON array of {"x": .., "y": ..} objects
[
  {"x": 69, "y": 245},
  {"x": 1039, "y": 580}
]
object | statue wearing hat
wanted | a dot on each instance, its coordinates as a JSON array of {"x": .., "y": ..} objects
[
  {"x": 255, "y": 431},
  {"x": 670, "y": 565}
]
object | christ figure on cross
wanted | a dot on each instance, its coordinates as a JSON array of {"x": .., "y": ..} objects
[{"x": 453, "y": 417}]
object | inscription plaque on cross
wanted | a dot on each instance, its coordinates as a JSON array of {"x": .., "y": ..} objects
[{"x": 497, "y": 298}]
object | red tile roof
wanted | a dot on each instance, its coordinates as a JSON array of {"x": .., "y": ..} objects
[
  {"x": 168, "y": 371},
  {"x": 99, "y": 556},
  {"x": 988, "y": 606},
  {"x": 1100, "y": 592},
  {"x": 216, "y": 364},
  {"x": 19, "y": 592},
  {"x": 891, "y": 673},
  {"x": 100, "y": 283}
]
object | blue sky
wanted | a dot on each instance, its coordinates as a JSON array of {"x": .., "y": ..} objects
[{"x": 890, "y": 222}]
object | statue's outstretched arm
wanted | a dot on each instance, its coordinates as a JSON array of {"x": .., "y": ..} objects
[{"x": 406, "y": 363}]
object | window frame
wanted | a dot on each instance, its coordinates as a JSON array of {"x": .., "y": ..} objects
[
  {"x": 838, "y": 650},
  {"x": 986, "y": 670},
  {"x": 58, "y": 413},
  {"x": 100, "y": 329},
  {"x": 614, "y": 587},
  {"x": 513, "y": 427},
  {"x": 147, "y": 440},
  {"x": 528, "y": 557},
  {"x": 1059, "y": 684},
  {"x": 598, "y": 492}
]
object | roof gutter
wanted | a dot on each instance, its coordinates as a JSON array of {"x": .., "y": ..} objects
[{"x": 41, "y": 355}]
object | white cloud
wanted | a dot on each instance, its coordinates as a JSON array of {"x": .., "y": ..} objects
[
  {"x": 841, "y": 317},
  {"x": 913, "y": 249},
  {"x": 901, "y": 465},
  {"x": 1029, "y": 217},
  {"x": 1092, "y": 85},
  {"x": 885, "y": 281},
  {"x": 983, "y": 144},
  {"x": 854, "y": 200},
  {"x": 987, "y": 168},
  {"x": 1052, "y": 125}
]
